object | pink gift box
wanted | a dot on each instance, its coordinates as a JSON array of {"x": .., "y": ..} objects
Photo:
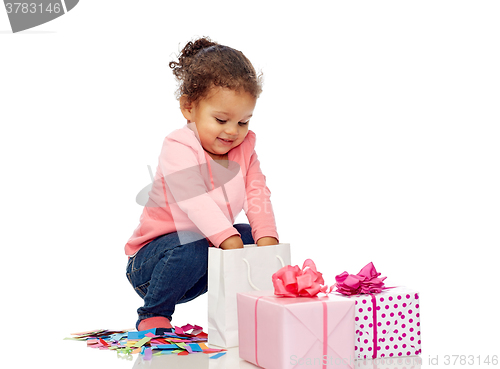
[
  {"x": 287, "y": 332},
  {"x": 395, "y": 326}
]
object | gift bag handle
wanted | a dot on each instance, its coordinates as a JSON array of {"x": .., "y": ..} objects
[{"x": 249, "y": 276}]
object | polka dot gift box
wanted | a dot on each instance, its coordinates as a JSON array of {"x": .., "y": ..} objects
[
  {"x": 392, "y": 319},
  {"x": 387, "y": 320}
]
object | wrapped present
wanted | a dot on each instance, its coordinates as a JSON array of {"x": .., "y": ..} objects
[
  {"x": 387, "y": 321},
  {"x": 277, "y": 332},
  {"x": 392, "y": 319}
]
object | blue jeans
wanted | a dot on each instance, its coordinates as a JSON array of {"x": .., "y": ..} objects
[{"x": 165, "y": 272}]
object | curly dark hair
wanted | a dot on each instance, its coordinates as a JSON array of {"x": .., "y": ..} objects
[{"x": 204, "y": 64}]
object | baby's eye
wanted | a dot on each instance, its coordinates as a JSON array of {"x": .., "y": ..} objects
[
  {"x": 220, "y": 120},
  {"x": 243, "y": 123}
]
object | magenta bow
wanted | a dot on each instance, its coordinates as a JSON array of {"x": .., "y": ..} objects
[
  {"x": 294, "y": 282},
  {"x": 365, "y": 281}
]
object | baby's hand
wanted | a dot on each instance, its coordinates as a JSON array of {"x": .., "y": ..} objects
[
  {"x": 267, "y": 241},
  {"x": 233, "y": 242}
]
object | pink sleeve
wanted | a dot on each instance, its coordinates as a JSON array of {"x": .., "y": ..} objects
[
  {"x": 258, "y": 206},
  {"x": 187, "y": 180}
]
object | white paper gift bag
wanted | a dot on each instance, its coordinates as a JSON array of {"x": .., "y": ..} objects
[{"x": 239, "y": 270}]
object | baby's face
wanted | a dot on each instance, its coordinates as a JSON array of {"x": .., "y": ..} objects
[{"x": 221, "y": 119}]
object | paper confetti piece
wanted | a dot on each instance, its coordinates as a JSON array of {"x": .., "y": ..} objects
[
  {"x": 179, "y": 330},
  {"x": 140, "y": 334},
  {"x": 142, "y": 342},
  {"x": 125, "y": 351},
  {"x": 181, "y": 345},
  {"x": 203, "y": 346},
  {"x": 216, "y": 356},
  {"x": 88, "y": 332},
  {"x": 211, "y": 351},
  {"x": 163, "y": 352},
  {"x": 118, "y": 336},
  {"x": 148, "y": 354},
  {"x": 195, "y": 347},
  {"x": 166, "y": 347}
]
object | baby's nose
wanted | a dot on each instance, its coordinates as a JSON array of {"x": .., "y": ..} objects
[{"x": 232, "y": 130}]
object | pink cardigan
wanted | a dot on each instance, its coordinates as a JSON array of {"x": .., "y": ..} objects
[{"x": 193, "y": 192}]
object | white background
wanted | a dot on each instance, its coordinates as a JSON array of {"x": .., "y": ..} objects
[{"x": 378, "y": 131}]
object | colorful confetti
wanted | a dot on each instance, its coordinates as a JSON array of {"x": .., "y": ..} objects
[{"x": 185, "y": 340}]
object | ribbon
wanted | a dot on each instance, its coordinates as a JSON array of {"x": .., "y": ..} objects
[
  {"x": 366, "y": 281},
  {"x": 325, "y": 332},
  {"x": 256, "y": 356},
  {"x": 295, "y": 282},
  {"x": 374, "y": 314}
]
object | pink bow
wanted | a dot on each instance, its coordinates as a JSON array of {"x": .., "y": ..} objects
[
  {"x": 365, "y": 281},
  {"x": 293, "y": 282}
]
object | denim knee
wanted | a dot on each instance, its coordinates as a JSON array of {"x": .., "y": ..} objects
[
  {"x": 192, "y": 256},
  {"x": 194, "y": 253}
]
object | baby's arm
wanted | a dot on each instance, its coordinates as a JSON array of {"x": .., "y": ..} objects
[
  {"x": 258, "y": 206},
  {"x": 233, "y": 242},
  {"x": 267, "y": 241}
]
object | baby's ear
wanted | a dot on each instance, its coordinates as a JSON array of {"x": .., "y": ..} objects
[{"x": 186, "y": 107}]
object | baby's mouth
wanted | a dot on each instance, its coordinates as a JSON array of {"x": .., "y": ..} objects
[{"x": 225, "y": 141}]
